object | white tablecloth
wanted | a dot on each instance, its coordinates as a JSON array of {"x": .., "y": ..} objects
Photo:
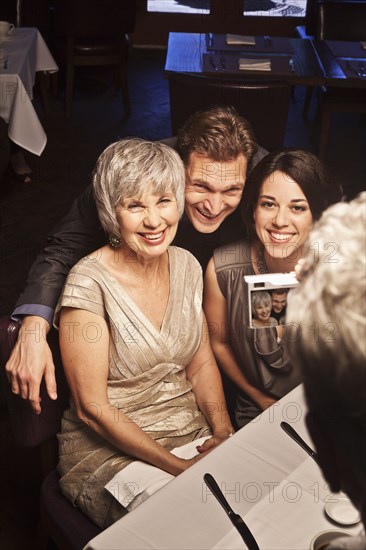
[
  {"x": 266, "y": 477},
  {"x": 27, "y": 53}
]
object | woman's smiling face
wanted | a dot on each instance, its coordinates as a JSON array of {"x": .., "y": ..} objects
[
  {"x": 263, "y": 312},
  {"x": 148, "y": 223},
  {"x": 282, "y": 217}
]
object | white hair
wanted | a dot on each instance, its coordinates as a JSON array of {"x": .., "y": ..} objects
[
  {"x": 259, "y": 298},
  {"x": 126, "y": 168},
  {"x": 327, "y": 310}
]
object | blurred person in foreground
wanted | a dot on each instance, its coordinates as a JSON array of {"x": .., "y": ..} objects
[{"x": 331, "y": 298}]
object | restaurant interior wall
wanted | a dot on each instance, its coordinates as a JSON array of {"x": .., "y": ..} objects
[{"x": 152, "y": 29}]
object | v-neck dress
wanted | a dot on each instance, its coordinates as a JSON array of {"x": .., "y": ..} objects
[{"x": 146, "y": 379}]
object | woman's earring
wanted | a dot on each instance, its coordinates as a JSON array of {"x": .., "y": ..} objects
[{"x": 114, "y": 241}]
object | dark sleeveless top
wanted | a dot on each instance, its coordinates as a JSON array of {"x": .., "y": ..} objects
[{"x": 263, "y": 359}]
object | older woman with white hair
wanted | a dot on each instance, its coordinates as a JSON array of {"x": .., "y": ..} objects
[
  {"x": 261, "y": 309},
  {"x": 327, "y": 312},
  {"x": 143, "y": 380}
]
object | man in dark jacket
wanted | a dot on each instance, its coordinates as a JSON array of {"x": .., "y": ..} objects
[{"x": 218, "y": 149}]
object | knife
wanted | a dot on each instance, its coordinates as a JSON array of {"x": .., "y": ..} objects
[
  {"x": 236, "y": 520},
  {"x": 295, "y": 436}
]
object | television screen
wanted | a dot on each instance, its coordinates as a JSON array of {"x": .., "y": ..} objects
[
  {"x": 258, "y": 8},
  {"x": 179, "y": 6},
  {"x": 275, "y": 8}
]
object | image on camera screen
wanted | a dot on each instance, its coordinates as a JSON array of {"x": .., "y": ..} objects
[{"x": 267, "y": 298}]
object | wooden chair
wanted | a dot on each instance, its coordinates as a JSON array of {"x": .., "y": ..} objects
[
  {"x": 338, "y": 20},
  {"x": 66, "y": 525},
  {"x": 37, "y": 13},
  {"x": 341, "y": 20},
  {"x": 307, "y": 30},
  {"x": 264, "y": 104},
  {"x": 94, "y": 33}
]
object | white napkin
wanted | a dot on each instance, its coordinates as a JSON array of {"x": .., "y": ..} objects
[
  {"x": 240, "y": 39},
  {"x": 254, "y": 64},
  {"x": 139, "y": 480}
]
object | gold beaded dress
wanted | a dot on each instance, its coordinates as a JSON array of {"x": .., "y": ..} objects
[{"x": 146, "y": 380}]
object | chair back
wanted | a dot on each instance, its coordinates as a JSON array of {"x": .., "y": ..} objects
[
  {"x": 341, "y": 20},
  {"x": 264, "y": 104},
  {"x": 35, "y": 13},
  {"x": 30, "y": 429},
  {"x": 93, "y": 19},
  {"x": 68, "y": 526}
]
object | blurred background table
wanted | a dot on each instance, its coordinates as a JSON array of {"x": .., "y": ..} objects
[
  {"x": 187, "y": 52},
  {"x": 344, "y": 62},
  {"x": 26, "y": 54}
]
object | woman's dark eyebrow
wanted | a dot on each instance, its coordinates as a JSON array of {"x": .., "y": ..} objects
[
  {"x": 267, "y": 197},
  {"x": 274, "y": 198}
]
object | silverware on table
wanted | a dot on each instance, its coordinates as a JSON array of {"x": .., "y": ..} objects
[
  {"x": 235, "y": 519},
  {"x": 361, "y": 69},
  {"x": 210, "y": 39},
  {"x": 353, "y": 69},
  {"x": 299, "y": 440},
  {"x": 291, "y": 64},
  {"x": 212, "y": 63}
]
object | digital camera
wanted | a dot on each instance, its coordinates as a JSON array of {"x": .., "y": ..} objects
[{"x": 267, "y": 298}]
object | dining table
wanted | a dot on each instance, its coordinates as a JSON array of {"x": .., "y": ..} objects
[
  {"x": 24, "y": 53},
  {"x": 300, "y": 61},
  {"x": 344, "y": 62},
  {"x": 267, "y": 478},
  {"x": 270, "y": 58}
]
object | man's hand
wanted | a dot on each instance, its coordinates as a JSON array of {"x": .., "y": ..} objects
[{"x": 30, "y": 360}]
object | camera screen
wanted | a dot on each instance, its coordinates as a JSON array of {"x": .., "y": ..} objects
[{"x": 267, "y": 298}]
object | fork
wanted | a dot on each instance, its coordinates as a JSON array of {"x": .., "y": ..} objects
[{"x": 213, "y": 64}]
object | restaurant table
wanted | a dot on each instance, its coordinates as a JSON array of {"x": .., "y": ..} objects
[
  {"x": 292, "y": 59},
  {"x": 267, "y": 478},
  {"x": 26, "y": 53},
  {"x": 344, "y": 62}
]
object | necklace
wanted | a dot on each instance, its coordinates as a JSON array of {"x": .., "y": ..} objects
[{"x": 261, "y": 262}]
